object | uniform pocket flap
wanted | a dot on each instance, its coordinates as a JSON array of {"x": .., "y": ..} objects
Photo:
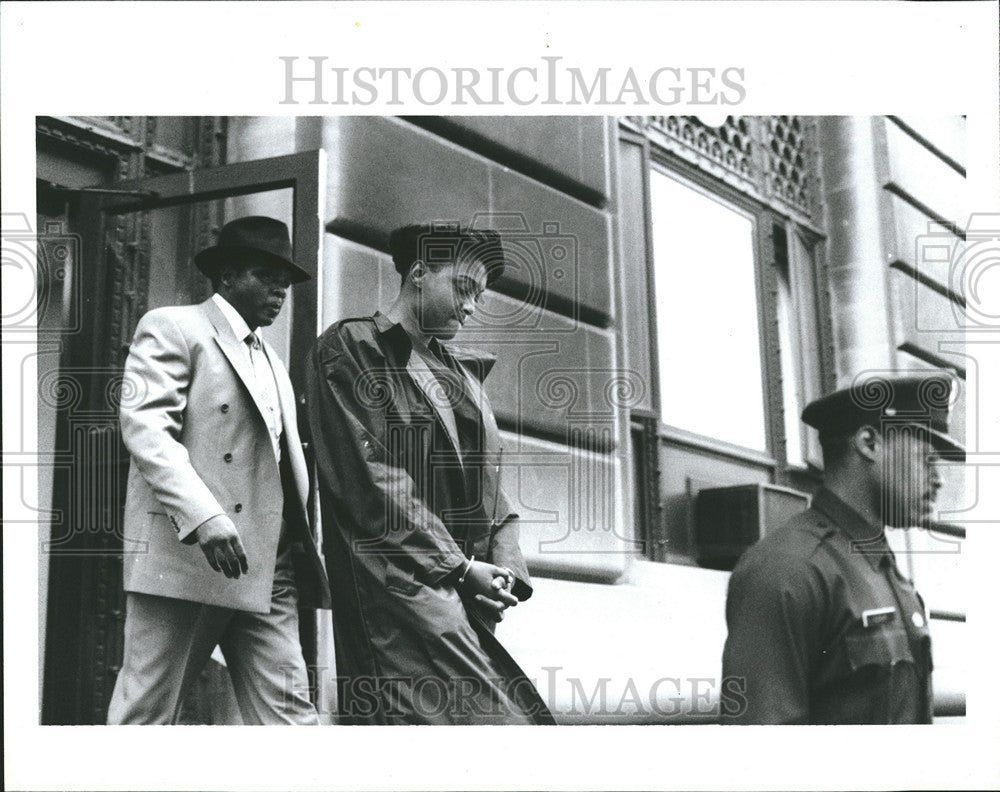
[{"x": 882, "y": 648}]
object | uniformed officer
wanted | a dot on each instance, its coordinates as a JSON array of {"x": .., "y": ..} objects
[{"x": 823, "y": 627}]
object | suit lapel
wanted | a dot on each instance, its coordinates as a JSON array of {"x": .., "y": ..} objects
[
  {"x": 283, "y": 385},
  {"x": 290, "y": 430},
  {"x": 231, "y": 347}
]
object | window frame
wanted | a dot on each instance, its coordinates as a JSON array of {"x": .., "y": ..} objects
[
  {"x": 653, "y": 441},
  {"x": 762, "y": 217},
  {"x": 817, "y": 374}
]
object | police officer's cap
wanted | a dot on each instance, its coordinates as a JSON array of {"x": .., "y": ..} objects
[
  {"x": 879, "y": 401},
  {"x": 446, "y": 243}
]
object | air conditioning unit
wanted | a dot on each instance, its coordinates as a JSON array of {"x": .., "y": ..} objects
[{"x": 730, "y": 519}]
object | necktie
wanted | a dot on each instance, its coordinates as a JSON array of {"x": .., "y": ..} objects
[{"x": 265, "y": 389}]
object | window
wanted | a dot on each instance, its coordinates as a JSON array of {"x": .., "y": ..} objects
[
  {"x": 708, "y": 337},
  {"x": 733, "y": 329}
]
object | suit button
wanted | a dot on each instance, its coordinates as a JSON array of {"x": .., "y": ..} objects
[
  {"x": 228, "y": 457},
  {"x": 224, "y": 408},
  {"x": 238, "y": 508}
]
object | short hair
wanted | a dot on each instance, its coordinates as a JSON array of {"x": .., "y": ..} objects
[
  {"x": 216, "y": 277},
  {"x": 442, "y": 244},
  {"x": 835, "y": 447}
]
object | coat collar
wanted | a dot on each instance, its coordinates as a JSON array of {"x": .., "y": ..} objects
[
  {"x": 399, "y": 350},
  {"x": 238, "y": 324},
  {"x": 394, "y": 330},
  {"x": 422, "y": 375},
  {"x": 479, "y": 363},
  {"x": 866, "y": 538},
  {"x": 473, "y": 365}
]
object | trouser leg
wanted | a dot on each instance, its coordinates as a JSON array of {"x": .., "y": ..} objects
[
  {"x": 167, "y": 643},
  {"x": 265, "y": 660}
]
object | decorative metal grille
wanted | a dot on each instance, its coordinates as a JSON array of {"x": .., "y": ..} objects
[
  {"x": 772, "y": 158},
  {"x": 789, "y": 177}
]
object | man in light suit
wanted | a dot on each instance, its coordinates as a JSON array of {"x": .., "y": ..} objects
[{"x": 219, "y": 551}]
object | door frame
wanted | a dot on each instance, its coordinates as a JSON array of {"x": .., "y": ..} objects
[
  {"x": 85, "y": 602},
  {"x": 304, "y": 172}
]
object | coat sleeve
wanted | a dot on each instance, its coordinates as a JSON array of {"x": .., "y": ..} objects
[
  {"x": 158, "y": 374},
  {"x": 505, "y": 548},
  {"x": 773, "y": 612},
  {"x": 378, "y": 505}
]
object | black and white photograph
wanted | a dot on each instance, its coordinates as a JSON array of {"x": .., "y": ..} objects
[
  {"x": 609, "y": 461},
  {"x": 426, "y": 394}
]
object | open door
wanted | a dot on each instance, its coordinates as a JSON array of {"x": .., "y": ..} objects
[{"x": 136, "y": 243}]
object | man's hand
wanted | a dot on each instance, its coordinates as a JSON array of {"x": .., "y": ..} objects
[
  {"x": 489, "y": 585},
  {"x": 220, "y": 542}
]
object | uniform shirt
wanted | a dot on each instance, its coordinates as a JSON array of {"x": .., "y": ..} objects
[
  {"x": 823, "y": 628},
  {"x": 267, "y": 390}
]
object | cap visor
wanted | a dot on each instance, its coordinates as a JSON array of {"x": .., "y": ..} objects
[{"x": 947, "y": 447}]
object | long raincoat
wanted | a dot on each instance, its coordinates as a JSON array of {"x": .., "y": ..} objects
[{"x": 409, "y": 457}]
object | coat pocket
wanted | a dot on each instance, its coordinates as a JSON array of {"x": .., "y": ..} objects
[{"x": 400, "y": 582}]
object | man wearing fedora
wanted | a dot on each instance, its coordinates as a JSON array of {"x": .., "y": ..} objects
[
  {"x": 219, "y": 551},
  {"x": 823, "y": 626}
]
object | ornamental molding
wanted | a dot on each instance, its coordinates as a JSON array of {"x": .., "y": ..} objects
[{"x": 771, "y": 158}]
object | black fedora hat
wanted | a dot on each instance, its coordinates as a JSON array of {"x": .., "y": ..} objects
[{"x": 259, "y": 238}]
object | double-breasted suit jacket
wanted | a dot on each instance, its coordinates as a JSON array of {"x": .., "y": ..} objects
[{"x": 194, "y": 426}]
